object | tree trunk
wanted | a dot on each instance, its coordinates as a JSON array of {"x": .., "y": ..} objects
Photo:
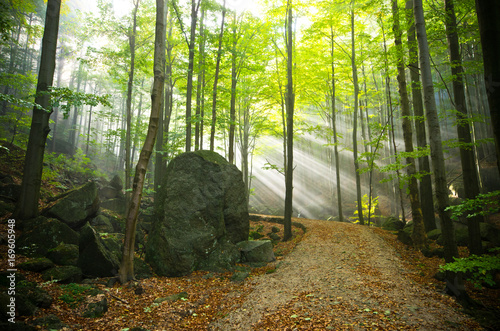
[
  {"x": 488, "y": 12},
  {"x": 290, "y": 103},
  {"x": 334, "y": 128},
  {"x": 232, "y": 111},
  {"x": 216, "y": 80},
  {"x": 189, "y": 89},
  {"x": 201, "y": 72},
  {"x": 355, "y": 120},
  {"x": 467, "y": 157},
  {"x": 426, "y": 194},
  {"x": 130, "y": 83},
  {"x": 127, "y": 265},
  {"x": 418, "y": 235},
  {"x": 27, "y": 206},
  {"x": 454, "y": 282}
]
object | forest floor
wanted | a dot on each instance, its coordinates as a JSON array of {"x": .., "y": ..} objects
[{"x": 336, "y": 276}]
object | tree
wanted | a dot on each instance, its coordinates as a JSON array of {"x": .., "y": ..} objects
[
  {"x": 27, "y": 206},
  {"x": 290, "y": 103},
  {"x": 216, "y": 80},
  {"x": 418, "y": 234},
  {"x": 488, "y": 12},
  {"x": 450, "y": 247},
  {"x": 426, "y": 194},
  {"x": 127, "y": 265},
  {"x": 128, "y": 139},
  {"x": 467, "y": 157},
  {"x": 355, "y": 120}
]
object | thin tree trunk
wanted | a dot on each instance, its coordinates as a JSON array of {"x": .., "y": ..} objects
[
  {"x": 488, "y": 12},
  {"x": 216, "y": 80},
  {"x": 128, "y": 136},
  {"x": 127, "y": 265},
  {"x": 418, "y": 235},
  {"x": 290, "y": 103},
  {"x": 467, "y": 157},
  {"x": 201, "y": 70},
  {"x": 454, "y": 282},
  {"x": 426, "y": 194},
  {"x": 334, "y": 127},
  {"x": 355, "y": 121},
  {"x": 232, "y": 111},
  {"x": 27, "y": 206}
]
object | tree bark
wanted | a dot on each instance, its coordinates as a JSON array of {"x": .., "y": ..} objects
[
  {"x": 216, "y": 80},
  {"x": 127, "y": 265},
  {"x": 290, "y": 103},
  {"x": 334, "y": 128},
  {"x": 27, "y": 206},
  {"x": 488, "y": 12},
  {"x": 130, "y": 83},
  {"x": 467, "y": 157},
  {"x": 418, "y": 235},
  {"x": 201, "y": 72},
  {"x": 454, "y": 281},
  {"x": 355, "y": 120},
  {"x": 426, "y": 194},
  {"x": 232, "y": 110}
]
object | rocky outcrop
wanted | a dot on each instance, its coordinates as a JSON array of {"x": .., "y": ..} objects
[
  {"x": 76, "y": 206},
  {"x": 200, "y": 215},
  {"x": 95, "y": 259}
]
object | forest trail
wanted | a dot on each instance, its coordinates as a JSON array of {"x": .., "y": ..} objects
[{"x": 342, "y": 276}]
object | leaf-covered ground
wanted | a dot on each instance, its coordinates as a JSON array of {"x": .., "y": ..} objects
[{"x": 337, "y": 276}]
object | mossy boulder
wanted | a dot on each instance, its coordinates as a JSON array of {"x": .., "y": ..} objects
[
  {"x": 102, "y": 224},
  {"x": 95, "y": 259},
  {"x": 256, "y": 251},
  {"x": 392, "y": 224},
  {"x": 36, "y": 264},
  {"x": 64, "y": 254},
  {"x": 200, "y": 214},
  {"x": 434, "y": 234},
  {"x": 63, "y": 274},
  {"x": 76, "y": 206},
  {"x": 42, "y": 234}
]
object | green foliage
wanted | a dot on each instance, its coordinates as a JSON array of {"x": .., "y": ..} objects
[
  {"x": 483, "y": 204},
  {"x": 78, "y": 163},
  {"x": 366, "y": 207},
  {"x": 478, "y": 269},
  {"x": 73, "y": 294}
]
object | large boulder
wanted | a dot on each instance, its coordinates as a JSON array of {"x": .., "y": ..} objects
[
  {"x": 256, "y": 251},
  {"x": 76, "y": 206},
  {"x": 95, "y": 259},
  {"x": 42, "y": 234},
  {"x": 200, "y": 214}
]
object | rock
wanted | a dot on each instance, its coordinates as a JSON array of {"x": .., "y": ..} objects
[
  {"x": 434, "y": 234},
  {"x": 10, "y": 191},
  {"x": 76, "y": 206},
  {"x": 201, "y": 212},
  {"x": 117, "y": 205},
  {"x": 239, "y": 276},
  {"x": 64, "y": 254},
  {"x": 142, "y": 270},
  {"x": 30, "y": 297},
  {"x": 96, "y": 309},
  {"x": 49, "y": 322},
  {"x": 36, "y": 264},
  {"x": 275, "y": 229},
  {"x": 490, "y": 233},
  {"x": 95, "y": 258},
  {"x": 102, "y": 224},
  {"x": 42, "y": 234},
  {"x": 108, "y": 192},
  {"x": 392, "y": 224},
  {"x": 63, "y": 274},
  {"x": 274, "y": 236},
  {"x": 405, "y": 237},
  {"x": 256, "y": 251},
  {"x": 462, "y": 236},
  {"x": 116, "y": 183}
]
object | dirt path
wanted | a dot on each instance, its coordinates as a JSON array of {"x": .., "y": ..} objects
[{"x": 342, "y": 276}]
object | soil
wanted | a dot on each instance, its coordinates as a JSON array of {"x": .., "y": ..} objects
[{"x": 343, "y": 276}]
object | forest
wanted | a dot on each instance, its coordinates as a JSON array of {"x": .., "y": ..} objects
[{"x": 373, "y": 113}]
